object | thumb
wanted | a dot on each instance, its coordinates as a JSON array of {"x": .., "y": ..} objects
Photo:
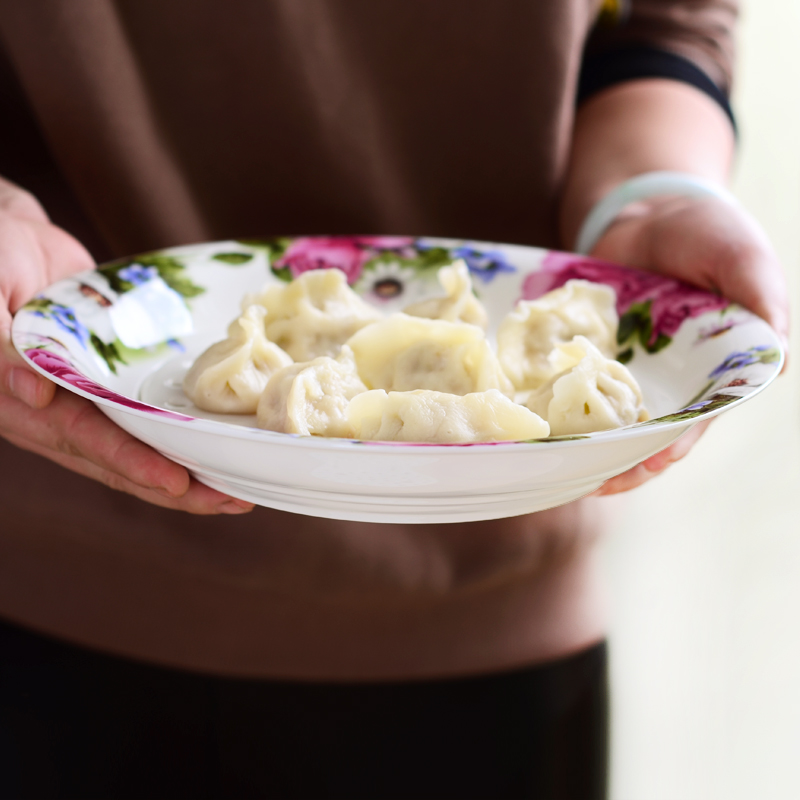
[{"x": 17, "y": 379}]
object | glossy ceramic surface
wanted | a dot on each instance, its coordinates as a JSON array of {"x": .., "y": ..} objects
[{"x": 124, "y": 335}]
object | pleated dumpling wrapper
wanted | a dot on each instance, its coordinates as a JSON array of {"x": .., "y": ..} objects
[
  {"x": 403, "y": 353},
  {"x": 314, "y": 315},
  {"x": 459, "y": 303},
  {"x": 589, "y": 392},
  {"x": 229, "y": 377},
  {"x": 311, "y": 398},
  {"x": 437, "y": 417},
  {"x": 528, "y": 334}
]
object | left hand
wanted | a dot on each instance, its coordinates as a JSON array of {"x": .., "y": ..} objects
[{"x": 712, "y": 244}]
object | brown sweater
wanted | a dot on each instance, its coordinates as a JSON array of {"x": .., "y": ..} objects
[{"x": 147, "y": 123}]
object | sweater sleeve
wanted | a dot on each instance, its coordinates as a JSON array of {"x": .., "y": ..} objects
[{"x": 700, "y": 32}]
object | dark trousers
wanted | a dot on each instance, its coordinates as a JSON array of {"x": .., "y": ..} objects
[{"x": 80, "y": 724}]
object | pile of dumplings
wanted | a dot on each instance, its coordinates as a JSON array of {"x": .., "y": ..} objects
[{"x": 312, "y": 358}]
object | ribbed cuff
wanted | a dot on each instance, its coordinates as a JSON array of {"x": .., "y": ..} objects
[{"x": 601, "y": 70}]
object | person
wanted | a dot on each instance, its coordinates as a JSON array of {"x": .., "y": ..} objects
[{"x": 163, "y": 639}]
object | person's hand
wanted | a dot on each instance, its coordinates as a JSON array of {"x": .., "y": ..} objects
[
  {"x": 36, "y": 415},
  {"x": 709, "y": 243}
]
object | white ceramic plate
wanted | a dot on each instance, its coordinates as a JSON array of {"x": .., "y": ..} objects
[{"x": 124, "y": 335}]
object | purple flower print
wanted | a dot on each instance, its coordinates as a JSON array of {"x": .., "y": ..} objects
[
  {"x": 697, "y": 406},
  {"x": 59, "y": 367},
  {"x": 762, "y": 354},
  {"x": 64, "y": 317},
  {"x": 137, "y": 274},
  {"x": 484, "y": 263},
  {"x": 650, "y": 305},
  {"x": 176, "y": 345}
]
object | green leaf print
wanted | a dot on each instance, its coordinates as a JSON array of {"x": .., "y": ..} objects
[
  {"x": 234, "y": 259},
  {"x": 715, "y": 402},
  {"x": 625, "y": 356},
  {"x": 636, "y": 323},
  {"x": 275, "y": 248},
  {"x": 107, "y": 351},
  {"x": 169, "y": 268}
]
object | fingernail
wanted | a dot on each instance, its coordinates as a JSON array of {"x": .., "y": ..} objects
[
  {"x": 24, "y": 386},
  {"x": 235, "y": 507}
]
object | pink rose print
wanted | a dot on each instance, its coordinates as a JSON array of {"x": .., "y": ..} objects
[
  {"x": 631, "y": 285},
  {"x": 59, "y": 367},
  {"x": 656, "y": 306},
  {"x": 306, "y": 254},
  {"x": 347, "y": 253},
  {"x": 674, "y": 304}
]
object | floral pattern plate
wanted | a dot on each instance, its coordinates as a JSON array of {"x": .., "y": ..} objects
[{"x": 124, "y": 335}]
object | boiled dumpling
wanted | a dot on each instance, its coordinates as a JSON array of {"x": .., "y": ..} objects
[
  {"x": 402, "y": 353},
  {"x": 459, "y": 303},
  {"x": 314, "y": 315},
  {"x": 311, "y": 398},
  {"x": 589, "y": 393},
  {"x": 426, "y": 416},
  {"x": 529, "y": 333},
  {"x": 230, "y": 376}
]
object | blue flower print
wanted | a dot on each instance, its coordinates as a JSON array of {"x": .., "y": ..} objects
[
  {"x": 761, "y": 354},
  {"x": 137, "y": 274},
  {"x": 484, "y": 264},
  {"x": 64, "y": 317}
]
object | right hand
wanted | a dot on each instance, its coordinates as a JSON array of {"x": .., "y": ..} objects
[{"x": 38, "y": 416}]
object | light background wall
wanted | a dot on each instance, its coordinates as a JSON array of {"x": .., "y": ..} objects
[{"x": 705, "y": 570}]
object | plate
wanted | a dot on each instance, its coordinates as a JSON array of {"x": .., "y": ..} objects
[{"x": 124, "y": 335}]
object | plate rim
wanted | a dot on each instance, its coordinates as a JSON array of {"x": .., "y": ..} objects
[{"x": 167, "y": 416}]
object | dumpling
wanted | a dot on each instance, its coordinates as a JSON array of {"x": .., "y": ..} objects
[
  {"x": 314, "y": 315},
  {"x": 527, "y": 334},
  {"x": 589, "y": 393},
  {"x": 311, "y": 398},
  {"x": 403, "y": 353},
  {"x": 230, "y": 376},
  {"x": 459, "y": 303},
  {"x": 426, "y": 416}
]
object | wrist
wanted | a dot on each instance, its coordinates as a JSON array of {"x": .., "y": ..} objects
[
  {"x": 637, "y": 197},
  {"x": 628, "y": 239}
]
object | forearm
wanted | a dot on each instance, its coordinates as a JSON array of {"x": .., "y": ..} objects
[
  {"x": 664, "y": 125},
  {"x": 636, "y": 127}
]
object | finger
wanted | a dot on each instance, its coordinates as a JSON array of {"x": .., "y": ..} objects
[
  {"x": 35, "y": 255},
  {"x": 16, "y": 378},
  {"x": 655, "y": 465},
  {"x": 751, "y": 275},
  {"x": 24, "y": 384},
  {"x": 709, "y": 243},
  {"x": 628, "y": 480},
  {"x": 63, "y": 255},
  {"x": 726, "y": 250},
  {"x": 19, "y": 203},
  {"x": 197, "y": 499},
  {"x": 678, "y": 449},
  {"x": 73, "y": 426},
  {"x": 31, "y": 256},
  {"x": 759, "y": 285}
]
